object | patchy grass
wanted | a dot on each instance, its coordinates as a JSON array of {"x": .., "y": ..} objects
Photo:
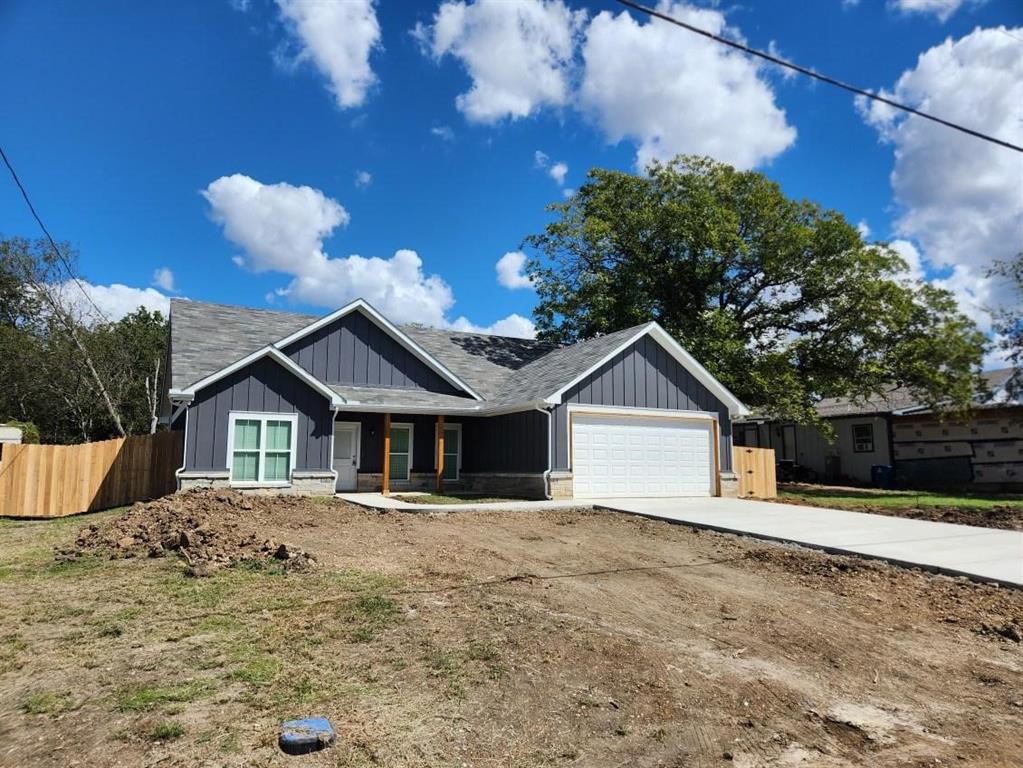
[
  {"x": 167, "y": 731},
  {"x": 49, "y": 703},
  {"x": 860, "y": 497},
  {"x": 147, "y": 697},
  {"x": 456, "y": 498}
]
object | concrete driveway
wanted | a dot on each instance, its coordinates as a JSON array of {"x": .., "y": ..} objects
[{"x": 985, "y": 554}]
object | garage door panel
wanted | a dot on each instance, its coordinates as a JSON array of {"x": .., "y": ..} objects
[{"x": 630, "y": 456}]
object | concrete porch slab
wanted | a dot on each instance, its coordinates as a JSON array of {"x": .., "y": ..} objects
[{"x": 381, "y": 502}]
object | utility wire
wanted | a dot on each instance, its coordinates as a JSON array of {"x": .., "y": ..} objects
[
  {"x": 49, "y": 237},
  {"x": 815, "y": 75}
]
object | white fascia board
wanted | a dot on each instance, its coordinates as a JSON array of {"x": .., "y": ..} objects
[
  {"x": 391, "y": 330},
  {"x": 280, "y": 358},
  {"x": 614, "y": 410},
  {"x": 481, "y": 410},
  {"x": 665, "y": 339}
]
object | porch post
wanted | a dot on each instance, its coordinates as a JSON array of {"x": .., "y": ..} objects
[
  {"x": 386, "y": 482},
  {"x": 440, "y": 453}
]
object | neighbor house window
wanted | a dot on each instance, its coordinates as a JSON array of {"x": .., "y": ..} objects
[
  {"x": 401, "y": 451},
  {"x": 863, "y": 438},
  {"x": 261, "y": 447},
  {"x": 452, "y": 451}
]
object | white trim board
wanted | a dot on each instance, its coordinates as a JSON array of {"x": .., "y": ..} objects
[
  {"x": 391, "y": 330},
  {"x": 665, "y": 339}
]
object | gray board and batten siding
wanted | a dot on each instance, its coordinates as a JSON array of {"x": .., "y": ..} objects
[
  {"x": 355, "y": 351},
  {"x": 643, "y": 375},
  {"x": 265, "y": 386}
]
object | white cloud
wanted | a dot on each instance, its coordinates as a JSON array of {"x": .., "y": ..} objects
[
  {"x": 863, "y": 228},
  {"x": 940, "y": 8},
  {"x": 558, "y": 172},
  {"x": 513, "y": 325},
  {"x": 509, "y": 271},
  {"x": 164, "y": 278},
  {"x": 338, "y": 38},
  {"x": 281, "y": 228},
  {"x": 960, "y": 199},
  {"x": 443, "y": 132},
  {"x": 911, "y": 255},
  {"x": 673, "y": 92},
  {"x": 363, "y": 178},
  {"x": 518, "y": 54},
  {"x": 567, "y": 192},
  {"x": 113, "y": 301},
  {"x": 541, "y": 159}
]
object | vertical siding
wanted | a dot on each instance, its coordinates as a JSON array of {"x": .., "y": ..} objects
[
  {"x": 264, "y": 386},
  {"x": 515, "y": 442},
  {"x": 644, "y": 375},
  {"x": 355, "y": 351}
]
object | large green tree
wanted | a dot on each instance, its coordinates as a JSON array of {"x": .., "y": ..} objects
[
  {"x": 779, "y": 298},
  {"x": 76, "y": 379}
]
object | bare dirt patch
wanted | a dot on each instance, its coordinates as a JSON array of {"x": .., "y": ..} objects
[
  {"x": 492, "y": 639},
  {"x": 209, "y": 529}
]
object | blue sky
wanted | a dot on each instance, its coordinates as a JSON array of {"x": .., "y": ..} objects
[{"x": 122, "y": 116}]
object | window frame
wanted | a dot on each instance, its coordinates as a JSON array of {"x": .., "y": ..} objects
[
  {"x": 411, "y": 444},
  {"x": 856, "y": 442},
  {"x": 262, "y": 417},
  {"x": 457, "y": 426}
]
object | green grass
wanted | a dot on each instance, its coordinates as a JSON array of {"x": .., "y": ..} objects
[
  {"x": 147, "y": 697},
  {"x": 856, "y": 497},
  {"x": 48, "y": 703},
  {"x": 166, "y": 731},
  {"x": 457, "y": 498}
]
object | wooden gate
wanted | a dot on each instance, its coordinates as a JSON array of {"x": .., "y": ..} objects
[
  {"x": 755, "y": 469},
  {"x": 59, "y": 480}
]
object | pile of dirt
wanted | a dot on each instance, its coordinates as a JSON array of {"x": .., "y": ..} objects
[{"x": 209, "y": 529}]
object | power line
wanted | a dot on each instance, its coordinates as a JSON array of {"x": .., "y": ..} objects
[
  {"x": 49, "y": 237},
  {"x": 815, "y": 75}
]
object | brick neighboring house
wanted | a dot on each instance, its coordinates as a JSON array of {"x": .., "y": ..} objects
[{"x": 926, "y": 450}]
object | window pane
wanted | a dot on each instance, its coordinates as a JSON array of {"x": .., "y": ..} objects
[
  {"x": 399, "y": 439},
  {"x": 245, "y": 467},
  {"x": 451, "y": 440},
  {"x": 246, "y": 434},
  {"x": 277, "y": 465},
  {"x": 278, "y": 435},
  {"x": 450, "y": 467},
  {"x": 399, "y": 466}
]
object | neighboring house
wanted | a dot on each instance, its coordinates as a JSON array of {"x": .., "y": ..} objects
[
  {"x": 894, "y": 429},
  {"x": 351, "y": 401}
]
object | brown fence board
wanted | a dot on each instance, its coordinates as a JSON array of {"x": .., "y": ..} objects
[
  {"x": 755, "y": 469},
  {"x": 59, "y": 480}
]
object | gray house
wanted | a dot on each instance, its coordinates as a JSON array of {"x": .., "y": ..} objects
[{"x": 350, "y": 401}]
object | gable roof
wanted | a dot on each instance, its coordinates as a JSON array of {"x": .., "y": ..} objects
[{"x": 501, "y": 371}]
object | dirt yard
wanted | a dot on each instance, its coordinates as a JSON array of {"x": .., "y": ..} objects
[{"x": 490, "y": 639}]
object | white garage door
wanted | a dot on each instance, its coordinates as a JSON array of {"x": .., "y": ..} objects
[{"x": 630, "y": 456}]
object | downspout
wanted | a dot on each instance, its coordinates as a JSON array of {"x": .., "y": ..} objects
[
  {"x": 550, "y": 452},
  {"x": 334, "y": 410},
  {"x": 184, "y": 446}
]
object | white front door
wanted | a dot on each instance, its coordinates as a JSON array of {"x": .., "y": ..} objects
[
  {"x": 627, "y": 456},
  {"x": 346, "y": 455}
]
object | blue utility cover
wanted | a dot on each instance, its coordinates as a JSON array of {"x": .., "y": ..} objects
[{"x": 299, "y": 737}]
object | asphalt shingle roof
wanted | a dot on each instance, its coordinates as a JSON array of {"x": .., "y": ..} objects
[{"x": 207, "y": 337}]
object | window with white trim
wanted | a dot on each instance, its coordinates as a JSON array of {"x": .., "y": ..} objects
[
  {"x": 452, "y": 451},
  {"x": 261, "y": 447},
  {"x": 863, "y": 438},
  {"x": 401, "y": 452}
]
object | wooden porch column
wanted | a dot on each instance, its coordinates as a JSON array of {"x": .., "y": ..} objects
[
  {"x": 386, "y": 483},
  {"x": 440, "y": 453}
]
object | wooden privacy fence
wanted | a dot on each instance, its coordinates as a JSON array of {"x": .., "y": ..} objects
[
  {"x": 59, "y": 480},
  {"x": 755, "y": 468}
]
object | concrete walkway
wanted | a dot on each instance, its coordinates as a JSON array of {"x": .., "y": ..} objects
[
  {"x": 379, "y": 501},
  {"x": 984, "y": 554}
]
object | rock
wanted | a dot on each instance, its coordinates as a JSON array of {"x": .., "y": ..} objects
[
  {"x": 283, "y": 553},
  {"x": 126, "y": 542}
]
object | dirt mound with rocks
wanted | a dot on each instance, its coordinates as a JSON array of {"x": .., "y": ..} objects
[{"x": 209, "y": 529}]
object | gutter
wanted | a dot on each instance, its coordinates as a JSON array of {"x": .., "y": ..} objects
[{"x": 550, "y": 452}]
